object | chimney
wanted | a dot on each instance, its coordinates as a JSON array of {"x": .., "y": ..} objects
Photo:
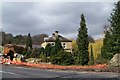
[{"x": 56, "y": 33}]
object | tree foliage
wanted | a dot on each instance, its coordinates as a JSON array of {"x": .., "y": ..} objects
[
  {"x": 62, "y": 58},
  {"x": 82, "y": 42},
  {"x": 59, "y": 56},
  {"x": 58, "y": 46},
  {"x": 111, "y": 42},
  {"x": 48, "y": 50},
  {"x": 106, "y": 51},
  {"x": 91, "y": 61},
  {"x": 19, "y": 39},
  {"x": 8, "y": 38},
  {"x": 115, "y": 26},
  {"x": 29, "y": 42},
  {"x": 29, "y": 46}
]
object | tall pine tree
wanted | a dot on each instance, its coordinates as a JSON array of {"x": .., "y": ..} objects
[
  {"x": 91, "y": 62},
  {"x": 82, "y": 42},
  {"x": 48, "y": 50},
  {"x": 115, "y": 25},
  {"x": 58, "y": 46},
  {"x": 111, "y": 42},
  {"x": 29, "y": 42},
  {"x": 106, "y": 51}
]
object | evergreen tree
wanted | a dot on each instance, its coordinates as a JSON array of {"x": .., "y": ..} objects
[
  {"x": 29, "y": 42},
  {"x": 48, "y": 50},
  {"x": 62, "y": 58},
  {"x": 111, "y": 42},
  {"x": 91, "y": 56},
  {"x": 82, "y": 42},
  {"x": 41, "y": 50},
  {"x": 58, "y": 45},
  {"x": 55, "y": 50},
  {"x": 115, "y": 26},
  {"x": 106, "y": 51},
  {"x": 29, "y": 46}
]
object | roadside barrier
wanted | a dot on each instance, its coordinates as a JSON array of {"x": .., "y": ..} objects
[{"x": 51, "y": 66}]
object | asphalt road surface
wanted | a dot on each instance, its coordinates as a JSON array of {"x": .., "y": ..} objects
[{"x": 22, "y": 72}]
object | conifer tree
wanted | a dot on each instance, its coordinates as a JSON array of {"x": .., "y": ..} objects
[
  {"x": 91, "y": 56},
  {"x": 29, "y": 42},
  {"x": 48, "y": 50},
  {"x": 111, "y": 42},
  {"x": 115, "y": 26},
  {"x": 55, "y": 49},
  {"x": 58, "y": 45},
  {"x": 29, "y": 46},
  {"x": 82, "y": 42},
  {"x": 106, "y": 51}
]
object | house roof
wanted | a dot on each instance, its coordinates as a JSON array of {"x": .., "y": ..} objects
[{"x": 61, "y": 38}]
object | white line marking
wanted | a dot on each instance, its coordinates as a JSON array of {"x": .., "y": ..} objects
[
  {"x": 23, "y": 68},
  {"x": 8, "y": 73}
]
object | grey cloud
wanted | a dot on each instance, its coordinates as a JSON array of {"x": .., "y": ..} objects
[
  {"x": 13, "y": 13},
  {"x": 48, "y": 17}
]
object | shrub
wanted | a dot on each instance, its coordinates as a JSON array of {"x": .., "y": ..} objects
[
  {"x": 62, "y": 58},
  {"x": 43, "y": 58},
  {"x": 47, "y": 50},
  {"x": 101, "y": 60}
]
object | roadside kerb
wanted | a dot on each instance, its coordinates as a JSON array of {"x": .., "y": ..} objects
[{"x": 51, "y": 66}]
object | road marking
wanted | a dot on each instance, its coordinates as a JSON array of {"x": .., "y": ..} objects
[
  {"x": 25, "y": 68},
  {"x": 8, "y": 73}
]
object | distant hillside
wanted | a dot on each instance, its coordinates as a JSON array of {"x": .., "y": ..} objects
[
  {"x": 8, "y": 38},
  {"x": 39, "y": 39},
  {"x": 96, "y": 47}
]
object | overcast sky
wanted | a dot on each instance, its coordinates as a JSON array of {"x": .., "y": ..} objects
[{"x": 46, "y": 17}]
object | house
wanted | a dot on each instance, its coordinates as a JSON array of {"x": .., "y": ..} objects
[
  {"x": 66, "y": 43},
  {"x": 36, "y": 46}
]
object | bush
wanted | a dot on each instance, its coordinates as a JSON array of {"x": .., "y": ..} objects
[
  {"x": 101, "y": 60},
  {"x": 62, "y": 58},
  {"x": 47, "y": 50},
  {"x": 43, "y": 58}
]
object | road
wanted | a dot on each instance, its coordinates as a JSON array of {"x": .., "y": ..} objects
[{"x": 22, "y": 72}]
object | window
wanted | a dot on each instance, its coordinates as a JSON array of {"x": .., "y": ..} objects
[
  {"x": 52, "y": 44},
  {"x": 63, "y": 43},
  {"x": 63, "y": 46}
]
